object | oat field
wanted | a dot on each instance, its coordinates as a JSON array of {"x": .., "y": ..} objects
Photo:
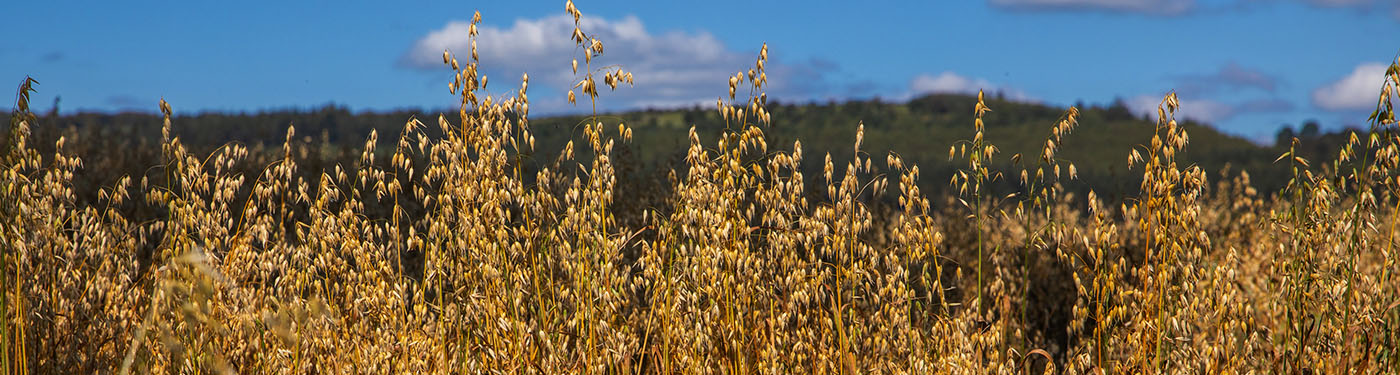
[{"x": 442, "y": 252}]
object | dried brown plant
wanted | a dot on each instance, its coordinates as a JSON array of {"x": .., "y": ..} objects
[{"x": 488, "y": 261}]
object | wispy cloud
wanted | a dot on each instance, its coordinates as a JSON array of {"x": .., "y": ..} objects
[
  {"x": 1358, "y": 90},
  {"x": 1207, "y": 110},
  {"x": 1203, "y": 110},
  {"x": 670, "y": 68},
  {"x": 1340, "y": 3},
  {"x": 1151, "y": 7},
  {"x": 1266, "y": 105},
  {"x": 52, "y": 57},
  {"x": 1231, "y": 76},
  {"x": 1362, "y": 5},
  {"x": 949, "y": 82},
  {"x": 129, "y": 103},
  {"x": 1199, "y": 99}
]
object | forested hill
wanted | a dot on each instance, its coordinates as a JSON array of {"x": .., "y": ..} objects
[
  {"x": 923, "y": 129},
  {"x": 920, "y": 130}
]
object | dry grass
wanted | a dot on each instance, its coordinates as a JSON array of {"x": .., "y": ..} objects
[{"x": 504, "y": 268}]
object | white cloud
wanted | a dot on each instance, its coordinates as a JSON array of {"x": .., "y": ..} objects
[
  {"x": 1157, "y": 7},
  {"x": 670, "y": 68},
  {"x": 1358, "y": 90},
  {"x": 949, "y": 82}
]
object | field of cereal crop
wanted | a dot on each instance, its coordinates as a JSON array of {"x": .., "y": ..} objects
[{"x": 439, "y": 249}]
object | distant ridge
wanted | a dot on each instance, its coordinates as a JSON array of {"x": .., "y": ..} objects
[{"x": 920, "y": 130}]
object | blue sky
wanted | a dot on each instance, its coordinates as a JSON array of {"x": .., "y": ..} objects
[{"x": 1247, "y": 66}]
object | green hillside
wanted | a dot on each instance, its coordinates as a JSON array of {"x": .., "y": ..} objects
[{"x": 920, "y": 130}]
